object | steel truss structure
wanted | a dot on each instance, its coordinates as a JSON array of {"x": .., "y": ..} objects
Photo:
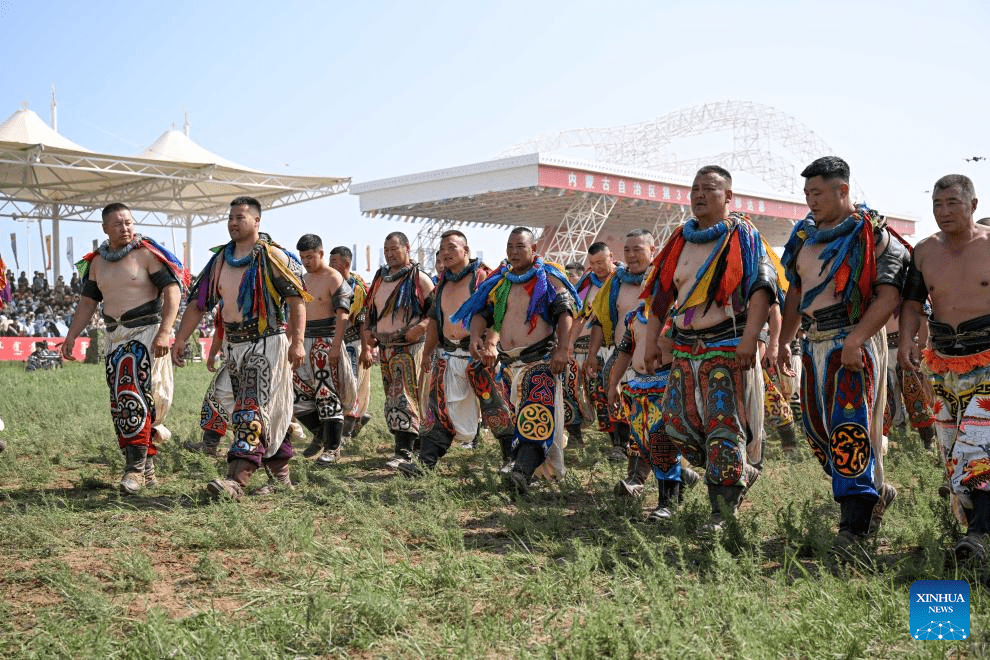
[
  {"x": 579, "y": 227},
  {"x": 766, "y": 142}
]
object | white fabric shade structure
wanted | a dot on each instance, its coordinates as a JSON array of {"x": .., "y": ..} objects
[{"x": 173, "y": 183}]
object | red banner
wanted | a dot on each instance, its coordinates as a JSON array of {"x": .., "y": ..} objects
[{"x": 19, "y": 348}]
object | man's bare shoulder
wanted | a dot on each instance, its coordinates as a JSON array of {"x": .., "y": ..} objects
[{"x": 426, "y": 281}]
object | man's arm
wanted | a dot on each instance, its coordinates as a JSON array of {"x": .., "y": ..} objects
[
  {"x": 418, "y": 331},
  {"x": 756, "y": 316},
  {"x": 622, "y": 360},
  {"x": 908, "y": 350},
  {"x": 190, "y": 321},
  {"x": 790, "y": 321},
  {"x": 884, "y": 303},
  {"x": 432, "y": 341},
  {"x": 773, "y": 337},
  {"x": 561, "y": 354},
  {"x": 592, "y": 365},
  {"x": 483, "y": 342},
  {"x": 80, "y": 318},
  {"x": 295, "y": 329},
  {"x": 652, "y": 354},
  {"x": 171, "y": 295}
]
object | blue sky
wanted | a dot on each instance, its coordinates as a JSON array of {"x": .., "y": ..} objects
[{"x": 372, "y": 90}]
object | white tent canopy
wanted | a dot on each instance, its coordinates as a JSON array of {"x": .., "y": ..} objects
[{"x": 173, "y": 183}]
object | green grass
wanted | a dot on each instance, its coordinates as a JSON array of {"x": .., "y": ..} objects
[{"x": 357, "y": 562}]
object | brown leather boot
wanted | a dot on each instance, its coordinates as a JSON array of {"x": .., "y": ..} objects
[
  {"x": 239, "y": 473},
  {"x": 135, "y": 458},
  {"x": 149, "y": 473},
  {"x": 278, "y": 477},
  {"x": 638, "y": 471}
]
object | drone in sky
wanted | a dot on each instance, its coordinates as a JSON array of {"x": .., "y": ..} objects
[{"x": 975, "y": 159}]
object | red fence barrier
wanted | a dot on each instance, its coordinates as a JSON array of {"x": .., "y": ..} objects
[{"x": 19, "y": 348}]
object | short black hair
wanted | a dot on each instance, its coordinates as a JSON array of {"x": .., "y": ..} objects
[
  {"x": 964, "y": 182},
  {"x": 309, "y": 242},
  {"x": 597, "y": 247},
  {"x": 828, "y": 168},
  {"x": 249, "y": 202},
  {"x": 454, "y": 232},
  {"x": 403, "y": 239},
  {"x": 636, "y": 233},
  {"x": 575, "y": 265},
  {"x": 522, "y": 230},
  {"x": 113, "y": 208},
  {"x": 716, "y": 169},
  {"x": 342, "y": 251}
]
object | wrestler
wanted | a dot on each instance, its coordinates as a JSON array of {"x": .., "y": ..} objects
[
  {"x": 398, "y": 307},
  {"x": 516, "y": 317},
  {"x": 251, "y": 280},
  {"x": 585, "y": 396},
  {"x": 950, "y": 268},
  {"x": 608, "y": 310},
  {"x": 714, "y": 279},
  {"x": 324, "y": 384},
  {"x": 845, "y": 270},
  {"x": 357, "y": 416},
  {"x": 138, "y": 282},
  {"x": 777, "y": 411},
  {"x": 641, "y": 396},
  {"x": 214, "y": 416},
  {"x": 909, "y": 394},
  {"x": 461, "y": 387}
]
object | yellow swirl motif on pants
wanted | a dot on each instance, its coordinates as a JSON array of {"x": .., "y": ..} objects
[{"x": 535, "y": 422}]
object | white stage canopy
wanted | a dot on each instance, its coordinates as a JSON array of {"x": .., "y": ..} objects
[{"x": 173, "y": 183}]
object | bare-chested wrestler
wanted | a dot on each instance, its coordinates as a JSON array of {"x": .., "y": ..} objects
[
  {"x": 909, "y": 393},
  {"x": 324, "y": 384},
  {"x": 714, "y": 278},
  {"x": 251, "y": 280},
  {"x": 585, "y": 396},
  {"x": 138, "y": 282},
  {"x": 951, "y": 269},
  {"x": 461, "y": 388},
  {"x": 398, "y": 305},
  {"x": 516, "y": 317},
  {"x": 609, "y": 310},
  {"x": 845, "y": 271},
  {"x": 355, "y": 418},
  {"x": 641, "y": 396}
]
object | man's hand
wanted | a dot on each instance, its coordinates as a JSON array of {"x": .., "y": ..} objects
[
  {"x": 178, "y": 348},
  {"x": 592, "y": 366},
  {"x": 66, "y": 348},
  {"x": 784, "y": 360},
  {"x": 484, "y": 351},
  {"x": 558, "y": 360},
  {"x": 366, "y": 359},
  {"x": 852, "y": 354},
  {"x": 415, "y": 333},
  {"x": 770, "y": 356},
  {"x": 909, "y": 356},
  {"x": 159, "y": 345},
  {"x": 333, "y": 355},
  {"x": 613, "y": 396},
  {"x": 297, "y": 353},
  {"x": 746, "y": 353},
  {"x": 211, "y": 362}
]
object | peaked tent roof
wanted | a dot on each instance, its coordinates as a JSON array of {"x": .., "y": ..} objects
[
  {"x": 26, "y": 127},
  {"x": 176, "y": 146},
  {"x": 176, "y": 182}
]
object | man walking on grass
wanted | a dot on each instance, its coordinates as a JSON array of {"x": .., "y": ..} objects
[
  {"x": 251, "y": 281},
  {"x": 138, "y": 282}
]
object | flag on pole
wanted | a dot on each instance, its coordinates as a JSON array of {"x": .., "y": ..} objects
[
  {"x": 13, "y": 247},
  {"x": 354, "y": 255},
  {"x": 68, "y": 250},
  {"x": 48, "y": 251},
  {"x": 96, "y": 245}
]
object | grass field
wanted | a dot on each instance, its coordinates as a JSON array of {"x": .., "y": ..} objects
[{"x": 359, "y": 563}]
